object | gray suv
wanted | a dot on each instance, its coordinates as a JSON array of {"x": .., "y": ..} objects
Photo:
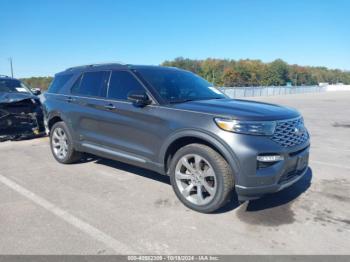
[{"x": 175, "y": 123}]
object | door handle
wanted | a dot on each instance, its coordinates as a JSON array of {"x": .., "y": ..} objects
[
  {"x": 70, "y": 99},
  {"x": 110, "y": 107}
]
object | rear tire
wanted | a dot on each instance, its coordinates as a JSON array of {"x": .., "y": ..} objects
[
  {"x": 201, "y": 178},
  {"x": 61, "y": 144}
]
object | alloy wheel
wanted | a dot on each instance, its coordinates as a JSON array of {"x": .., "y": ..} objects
[
  {"x": 59, "y": 143},
  {"x": 196, "y": 179}
]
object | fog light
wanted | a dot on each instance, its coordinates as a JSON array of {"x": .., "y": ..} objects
[{"x": 270, "y": 158}]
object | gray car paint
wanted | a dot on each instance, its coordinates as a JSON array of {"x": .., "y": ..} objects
[{"x": 142, "y": 135}]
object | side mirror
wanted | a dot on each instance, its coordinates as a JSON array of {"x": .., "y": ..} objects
[
  {"x": 36, "y": 91},
  {"x": 139, "y": 98}
]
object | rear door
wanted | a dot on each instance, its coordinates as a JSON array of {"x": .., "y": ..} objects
[{"x": 87, "y": 104}]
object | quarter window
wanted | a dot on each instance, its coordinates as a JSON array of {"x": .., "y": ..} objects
[
  {"x": 120, "y": 85},
  {"x": 92, "y": 84}
]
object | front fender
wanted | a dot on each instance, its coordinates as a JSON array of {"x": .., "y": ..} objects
[{"x": 216, "y": 141}]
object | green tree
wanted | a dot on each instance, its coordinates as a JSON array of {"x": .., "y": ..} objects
[{"x": 38, "y": 82}]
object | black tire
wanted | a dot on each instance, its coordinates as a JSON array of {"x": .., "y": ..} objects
[
  {"x": 72, "y": 155},
  {"x": 223, "y": 173}
]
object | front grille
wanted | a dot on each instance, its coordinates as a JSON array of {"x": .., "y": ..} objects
[{"x": 290, "y": 133}]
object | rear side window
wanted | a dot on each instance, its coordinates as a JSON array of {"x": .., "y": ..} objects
[
  {"x": 92, "y": 84},
  {"x": 59, "y": 81},
  {"x": 120, "y": 85}
]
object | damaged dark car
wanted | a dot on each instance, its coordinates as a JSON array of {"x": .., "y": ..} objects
[{"x": 21, "y": 115}]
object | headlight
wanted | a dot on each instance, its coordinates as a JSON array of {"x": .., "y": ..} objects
[{"x": 262, "y": 128}]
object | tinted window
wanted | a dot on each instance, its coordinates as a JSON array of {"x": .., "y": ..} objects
[
  {"x": 176, "y": 86},
  {"x": 91, "y": 84},
  {"x": 120, "y": 85},
  {"x": 58, "y": 83},
  {"x": 76, "y": 85}
]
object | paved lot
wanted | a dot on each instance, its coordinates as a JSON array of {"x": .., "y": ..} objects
[{"x": 105, "y": 207}]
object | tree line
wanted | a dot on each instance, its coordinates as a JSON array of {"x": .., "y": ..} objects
[
  {"x": 227, "y": 72},
  {"x": 38, "y": 82}
]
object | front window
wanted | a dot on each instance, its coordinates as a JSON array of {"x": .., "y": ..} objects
[
  {"x": 176, "y": 86},
  {"x": 13, "y": 86},
  {"x": 121, "y": 84}
]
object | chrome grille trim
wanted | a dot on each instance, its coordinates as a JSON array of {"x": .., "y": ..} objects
[{"x": 285, "y": 134}]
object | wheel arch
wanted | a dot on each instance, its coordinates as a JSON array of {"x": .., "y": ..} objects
[
  {"x": 53, "y": 120},
  {"x": 180, "y": 139}
]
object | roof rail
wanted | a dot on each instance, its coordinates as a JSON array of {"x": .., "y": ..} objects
[
  {"x": 95, "y": 65},
  {"x": 4, "y": 76}
]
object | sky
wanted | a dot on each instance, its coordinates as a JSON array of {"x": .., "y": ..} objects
[{"x": 44, "y": 37}]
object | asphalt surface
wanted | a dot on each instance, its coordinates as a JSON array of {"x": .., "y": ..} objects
[{"x": 106, "y": 207}]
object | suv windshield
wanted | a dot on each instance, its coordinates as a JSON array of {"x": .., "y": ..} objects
[
  {"x": 13, "y": 86},
  {"x": 177, "y": 86}
]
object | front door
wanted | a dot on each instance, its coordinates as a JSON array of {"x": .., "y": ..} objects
[{"x": 128, "y": 128}]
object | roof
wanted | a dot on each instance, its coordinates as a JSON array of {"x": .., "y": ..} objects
[
  {"x": 95, "y": 66},
  {"x": 110, "y": 66}
]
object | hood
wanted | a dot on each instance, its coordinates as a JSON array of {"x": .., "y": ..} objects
[
  {"x": 240, "y": 109},
  {"x": 15, "y": 97}
]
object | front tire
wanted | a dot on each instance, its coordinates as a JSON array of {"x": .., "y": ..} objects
[
  {"x": 201, "y": 178},
  {"x": 61, "y": 143}
]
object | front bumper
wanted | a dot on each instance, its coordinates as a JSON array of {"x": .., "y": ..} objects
[
  {"x": 251, "y": 193},
  {"x": 281, "y": 175},
  {"x": 253, "y": 181},
  {"x": 21, "y": 126}
]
